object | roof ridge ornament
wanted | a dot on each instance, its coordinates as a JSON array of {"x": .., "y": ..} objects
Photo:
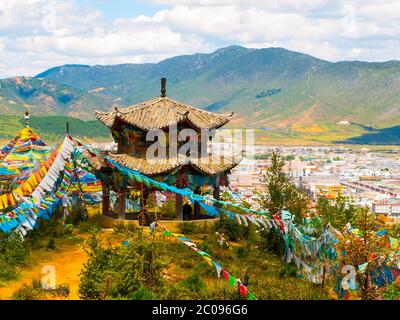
[
  {"x": 26, "y": 118},
  {"x": 163, "y": 87}
]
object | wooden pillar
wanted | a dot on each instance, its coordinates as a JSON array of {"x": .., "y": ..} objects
[
  {"x": 106, "y": 199},
  {"x": 121, "y": 203},
  {"x": 145, "y": 196},
  {"x": 216, "y": 193},
  {"x": 196, "y": 204},
  {"x": 178, "y": 206}
]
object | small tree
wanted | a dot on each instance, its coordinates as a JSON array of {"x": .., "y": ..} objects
[
  {"x": 337, "y": 214},
  {"x": 281, "y": 192},
  {"x": 364, "y": 246}
]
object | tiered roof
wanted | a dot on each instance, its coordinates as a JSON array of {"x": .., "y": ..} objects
[
  {"x": 161, "y": 112},
  {"x": 210, "y": 165}
]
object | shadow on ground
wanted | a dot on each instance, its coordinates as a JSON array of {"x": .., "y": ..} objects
[{"x": 385, "y": 136}]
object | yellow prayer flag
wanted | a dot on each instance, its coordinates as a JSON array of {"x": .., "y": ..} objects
[
  {"x": 32, "y": 181},
  {"x": 19, "y": 191},
  {"x": 4, "y": 201}
]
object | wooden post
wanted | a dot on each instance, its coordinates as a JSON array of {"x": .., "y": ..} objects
[
  {"x": 323, "y": 277},
  {"x": 216, "y": 194},
  {"x": 178, "y": 206},
  {"x": 122, "y": 204},
  {"x": 196, "y": 204},
  {"x": 106, "y": 199}
]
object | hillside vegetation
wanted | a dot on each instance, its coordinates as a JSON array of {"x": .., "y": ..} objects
[
  {"x": 266, "y": 88},
  {"x": 53, "y": 128}
]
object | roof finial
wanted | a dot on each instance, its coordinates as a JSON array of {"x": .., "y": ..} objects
[
  {"x": 163, "y": 87},
  {"x": 27, "y": 117}
]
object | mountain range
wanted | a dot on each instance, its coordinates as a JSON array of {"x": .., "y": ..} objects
[{"x": 266, "y": 88}]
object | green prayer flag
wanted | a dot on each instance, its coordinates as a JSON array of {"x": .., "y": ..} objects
[
  {"x": 232, "y": 280},
  {"x": 146, "y": 182},
  {"x": 203, "y": 253},
  {"x": 251, "y": 296},
  {"x": 167, "y": 233}
]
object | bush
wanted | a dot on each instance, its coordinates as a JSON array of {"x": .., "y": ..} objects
[
  {"x": 270, "y": 240},
  {"x": 288, "y": 270},
  {"x": 125, "y": 229},
  {"x": 7, "y": 272},
  {"x": 194, "y": 283},
  {"x": 51, "y": 244},
  {"x": 26, "y": 293},
  {"x": 36, "y": 292},
  {"x": 232, "y": 229},
  {"x": 204, "y": 269},
  {"x": 205, "y": 246},
  {"x": 391, "y": 292},
  {"x": 47, "y": 229},
  {"x": 121, "y": 272},
  {"x": 62, "y": 290},
  {"x": 168, "y": 209},
  {"x": 13, "y": 254},
  {"x": 187, "y": 227},
  {"x": 13, "y": 250},
  {"x": 89, "y": 225},
  {"x": 143, "y": 294},
  {"x": 242, "y": 253}
]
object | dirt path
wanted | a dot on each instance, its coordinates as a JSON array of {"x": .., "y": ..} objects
[{"x": 67, "y": 260}]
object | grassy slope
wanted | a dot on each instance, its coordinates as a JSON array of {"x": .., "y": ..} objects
[
  {"x": 52, "y": 128},
  {"x": 263, "y": 268}
]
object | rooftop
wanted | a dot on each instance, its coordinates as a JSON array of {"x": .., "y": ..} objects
[{"x": 160, "y": 112}]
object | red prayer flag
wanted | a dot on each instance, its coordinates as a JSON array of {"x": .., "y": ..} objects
[{"x": 242, "y": 290}]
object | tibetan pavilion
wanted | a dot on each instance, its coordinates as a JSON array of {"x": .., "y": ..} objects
[{"x": 129, "y": 128}]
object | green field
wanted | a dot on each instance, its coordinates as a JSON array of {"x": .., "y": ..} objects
[{"x": 53, "y": 128}]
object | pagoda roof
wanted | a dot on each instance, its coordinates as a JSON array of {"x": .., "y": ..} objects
[
  {"x": 162, "y": 112},
  {"x": 208, "y": 165}
]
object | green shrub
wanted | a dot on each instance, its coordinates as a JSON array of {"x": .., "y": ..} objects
[
  {"x": 270, "y": 240},
  {"x": 232, "y": 229},
  {"x": 51, "y": 244},
  {"x": 34, "y": 291},
  {"x": 89, "y": 225},
  {"x": 242, "y": 253},
  {"x": 125, "y": 229},
  {"x": 204, "y": 269},
  {"x": 143, "y": 294},
  {"x": 288, "y": 270},
  {"x": 120, "y": 272},
  {"x": 13, "y": 250},
  {"x": 7, "y": 272},
  {"x": 391, "y": 292},
  {"x": 194, "y": 283},
  {"x": 26, "y": 293},
  {"x": 168, "y": 209},
  {"x": 187, "y": 227},
  {"x": 205, "y": 246},
  {"x": 62, "y": 290}
]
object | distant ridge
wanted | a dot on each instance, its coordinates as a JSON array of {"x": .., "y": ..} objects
[{"x": 270, "y": 87}]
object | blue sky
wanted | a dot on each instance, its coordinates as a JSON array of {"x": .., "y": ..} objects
[
  {"x": 125, "y": 8},
  {"x": 39, "y": 34}
]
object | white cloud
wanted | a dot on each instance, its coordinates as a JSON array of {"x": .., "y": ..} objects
[{"x": 38, "y": 34}]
